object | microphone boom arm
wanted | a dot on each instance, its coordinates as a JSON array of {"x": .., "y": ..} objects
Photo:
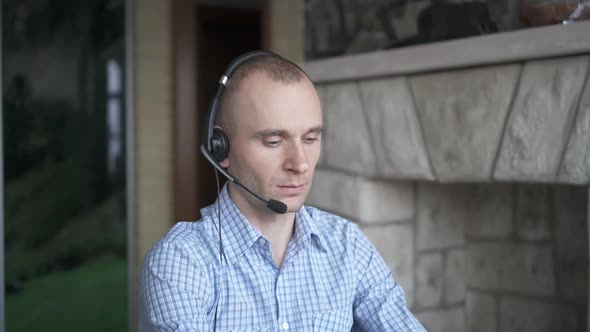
[{"x": 276, "y": 206}]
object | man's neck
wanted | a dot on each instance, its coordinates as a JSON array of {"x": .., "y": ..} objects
[
  {"x": 277, "y": 228},
  {"x": 279, "y": 233}
]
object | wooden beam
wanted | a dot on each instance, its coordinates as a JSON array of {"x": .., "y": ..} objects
[{"x": 185, "y": 123}]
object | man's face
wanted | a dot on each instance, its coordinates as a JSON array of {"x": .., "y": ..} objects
[{"x": 275, "y": 141}]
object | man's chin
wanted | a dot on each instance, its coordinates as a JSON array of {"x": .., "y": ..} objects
[{"x": 293, "y": 203}]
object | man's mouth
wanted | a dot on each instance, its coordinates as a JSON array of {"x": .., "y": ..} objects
[{"x": 292, "y": 189}]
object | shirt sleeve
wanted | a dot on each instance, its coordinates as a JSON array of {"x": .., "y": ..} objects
[
  {"x": 174, "y": 292},
  {"x": 380, "y": 303}
]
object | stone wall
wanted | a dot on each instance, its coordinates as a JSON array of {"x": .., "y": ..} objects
[
  {"x": 474, "y": 257},
  {"x": 469, "y": 173}
]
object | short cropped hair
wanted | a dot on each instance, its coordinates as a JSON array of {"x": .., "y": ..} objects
[{"x": 276, "y": 68}]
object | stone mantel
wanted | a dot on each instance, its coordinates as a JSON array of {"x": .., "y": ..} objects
[{"x": 505, "y": 107}]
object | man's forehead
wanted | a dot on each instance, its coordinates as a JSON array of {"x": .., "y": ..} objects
[
  {"x": 262, "y": 103},
  {"x": 264, "y": 95},
  {"x": 260, "y": 76}
]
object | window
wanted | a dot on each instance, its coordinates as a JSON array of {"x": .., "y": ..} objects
[{"x": 64, "y": 115}]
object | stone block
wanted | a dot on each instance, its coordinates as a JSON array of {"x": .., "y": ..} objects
[
  {"x": 443, "y": 320},
  {"x": 463, "y": 113},
  {"x": 335, "y": 192},
  {"x": 524, "y": 315},
  {"x": 536, "y": 131},
  {"x": 575, "y": 167},
  {"x": 480, "y": 312},
  {"x": 490, "y": 210},
  {"x": 454, "y": 276},
  {"x": 532, "y": 212},
  {"x": 360, "y": 199},
  {"x": 570, "y": 215},
  {"x": 385, "y": 201},
  {"x": 440, "y": 216},
  {"x": 347, "y": 139},
  {"x": 396, "y": 244},
  {"x": 526, "y": 269},
  {"x": 429, "y": 280},
  {"x": 397, "y": 135}
]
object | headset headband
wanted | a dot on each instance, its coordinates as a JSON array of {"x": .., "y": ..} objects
[{"x": 213, "y": 106}]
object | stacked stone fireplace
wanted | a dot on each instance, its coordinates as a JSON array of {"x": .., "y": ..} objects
[{"x": 472, "y": 182}]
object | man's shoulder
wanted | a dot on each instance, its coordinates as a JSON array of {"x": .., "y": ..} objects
[
  {"x": 333, "y": 227},
  {"x": 325, "y": 218},
  {"x": 192, "y": 239}
]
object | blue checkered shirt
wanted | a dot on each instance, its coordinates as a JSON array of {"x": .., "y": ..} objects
[{"x": 332, "y": 278}]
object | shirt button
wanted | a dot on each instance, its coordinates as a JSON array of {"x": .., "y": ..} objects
[{"x": 285, "y": 326}]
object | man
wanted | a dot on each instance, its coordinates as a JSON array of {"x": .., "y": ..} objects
[{"x": 243, "y": 267}]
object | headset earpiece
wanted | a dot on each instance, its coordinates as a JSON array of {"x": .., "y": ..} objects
[{"x": 219, "y": 145}]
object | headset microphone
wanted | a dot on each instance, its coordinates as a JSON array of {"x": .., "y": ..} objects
[
  {"x": 273, "y": 204},
  {"x": 216, "y": 145}
]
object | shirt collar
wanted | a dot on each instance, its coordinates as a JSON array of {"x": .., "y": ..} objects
[
  {"x": 307, "y": 230},
  {"x": 238, "y": 235}
]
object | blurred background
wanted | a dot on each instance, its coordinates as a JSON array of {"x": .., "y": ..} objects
[
  {"x": 64, "y": 118},
  {"x": 102, "y": 108}
]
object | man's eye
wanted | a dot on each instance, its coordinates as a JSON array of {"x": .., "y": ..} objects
[
  {"x": 310, "y": 139},
  {"x": 272, "y": 144}
]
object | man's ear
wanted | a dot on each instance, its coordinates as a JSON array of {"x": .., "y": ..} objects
[{"x": 224, "y": 163}]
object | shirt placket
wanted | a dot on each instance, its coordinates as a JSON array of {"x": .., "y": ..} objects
[
  {"x": 284, "y": 320},
  {"x": 284, "y": 290},
  {"x": 266, "y": 255}
]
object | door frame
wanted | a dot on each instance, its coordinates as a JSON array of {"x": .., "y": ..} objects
[
  {"x": 185, "y": 166},
  {"x": 185, "y": 44}
]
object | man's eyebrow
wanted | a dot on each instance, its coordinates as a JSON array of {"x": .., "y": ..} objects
[
  {"x": 283, "y": 133},
  {"x": 317, "y": 129},
  {"x": 271, "y": 132}
]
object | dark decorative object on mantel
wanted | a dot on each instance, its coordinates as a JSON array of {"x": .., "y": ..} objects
[{"x": 444, "y": 21}]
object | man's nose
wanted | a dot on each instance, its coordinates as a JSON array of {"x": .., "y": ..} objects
[{"x": 297, "y": 158}]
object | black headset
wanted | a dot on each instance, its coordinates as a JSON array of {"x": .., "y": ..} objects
[
  {"x": 216, "y": 144},
  {"x": 216, "y": 141}
]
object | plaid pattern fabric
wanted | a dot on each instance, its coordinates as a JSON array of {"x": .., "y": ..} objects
[{"x": 332, "y": 278}]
